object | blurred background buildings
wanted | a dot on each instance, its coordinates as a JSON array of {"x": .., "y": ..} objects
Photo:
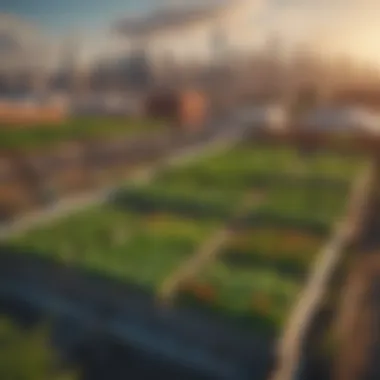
[{"x": 175, "y": 46}]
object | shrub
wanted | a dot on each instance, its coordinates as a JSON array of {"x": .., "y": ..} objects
[{"x": 28, "y": 355}]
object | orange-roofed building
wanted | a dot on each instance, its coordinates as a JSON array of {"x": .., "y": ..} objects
[{"x": 187, "y": 109}]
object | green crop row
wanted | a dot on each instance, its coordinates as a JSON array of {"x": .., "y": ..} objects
[
  {"x": 42, "y": 136},
  {"x": 197, "y": 203},
  {"x": 147, "y": 231},
  {"x": 143, "y": 249},
  {"x": 257, "y": 167},
  {"x": 310, "y": 204},
  {"x": 256, "y": 279}
]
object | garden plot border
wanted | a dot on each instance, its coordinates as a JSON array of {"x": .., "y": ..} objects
[
  {"x": 290, "y": 350},
  {"x": 82, "y": 201},
  {"x": 290, "y": 347},
  {"x": 204, "y": 255}
]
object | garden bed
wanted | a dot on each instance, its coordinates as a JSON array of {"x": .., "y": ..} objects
[
  {"x": 40, "y": 137},
  {"x": 139, "y": 248},
  {"x": 147, "y": 231},
  {"x": 256, "y": 278}
]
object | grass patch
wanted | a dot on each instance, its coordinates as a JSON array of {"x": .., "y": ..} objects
[
  {"x": 42, "y": 136},
  {"x": 138, "y": 248}
]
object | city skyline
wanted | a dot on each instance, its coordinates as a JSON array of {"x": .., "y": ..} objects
[{"x": 347, "y": 27}]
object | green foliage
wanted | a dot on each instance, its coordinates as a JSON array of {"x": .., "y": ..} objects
[
  {"x": 149, "y": 230},
  {"x": 139, "y": 248},
  {"x": 257, "y": 298},
  {"x": 309, "y": 204},
  {"x": 245, "y": 166},
  {"x": 27, "y": 355},
  {"x": 257, "y": 277},
  {"x": 81, "y": 128},
  {"x": 209, "y": 203}
]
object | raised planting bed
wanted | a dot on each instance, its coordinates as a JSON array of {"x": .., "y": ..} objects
[
  {"x": 260, "y": 271},
  {"x": 253, "y": 163},
  {"x": 211, "y": 187},
  {"x": 287, "y": 250},
  {"x": 247, "y": 260},
  {"x": 138, "y": 248},
  {"x": 196, "y": 202},
  {"x": 303, "y": 205},
  {"x": 256, "y": 277},
  {"x": 171, "y": 217}
]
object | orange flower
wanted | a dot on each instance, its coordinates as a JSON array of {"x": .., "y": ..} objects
[
  {"x": 262, "y": 303},
  {"x": 294, "y": 240}
]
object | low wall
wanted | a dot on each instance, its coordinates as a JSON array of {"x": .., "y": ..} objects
[{"x": 291, "y": 350}]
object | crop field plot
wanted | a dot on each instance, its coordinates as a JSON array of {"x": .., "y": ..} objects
[
  {"x": 256, "y": 278},
  {"x": 257, "y": 165},
  {"x": 146, "y": 232},
  {"x": 259, "y": 272},
  {"x": 45, "y": 136},
  {"x": 304, "y": 205},
  {"x": 138, "y": 248},
  {"x": 189, "y": 202}
]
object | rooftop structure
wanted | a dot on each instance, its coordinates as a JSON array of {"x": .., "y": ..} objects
[{"x": 187, "y": 33}]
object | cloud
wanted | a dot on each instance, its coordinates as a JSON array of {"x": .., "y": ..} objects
[
  {"x": 329, "y": 25},
  {"x": 349, "y": 26}
]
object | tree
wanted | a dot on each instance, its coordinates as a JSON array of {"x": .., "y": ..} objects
[{"x": 27, "y": 355}]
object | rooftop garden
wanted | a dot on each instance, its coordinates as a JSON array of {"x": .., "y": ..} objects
[{"x": 146, "y": 232}]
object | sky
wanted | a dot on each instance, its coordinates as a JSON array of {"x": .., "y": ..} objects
[
  {"x": 59, "y": 16},
  {"x": 346, "y": 26}
]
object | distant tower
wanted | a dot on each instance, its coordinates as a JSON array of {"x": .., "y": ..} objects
[
  {"x": 73, "y": 77},
  {"x": 140, "y": 73}
]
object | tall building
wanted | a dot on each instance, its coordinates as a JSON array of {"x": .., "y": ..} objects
[
  {"x": 71, "y": 77},
  {"x": 139, "y": 72}
]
